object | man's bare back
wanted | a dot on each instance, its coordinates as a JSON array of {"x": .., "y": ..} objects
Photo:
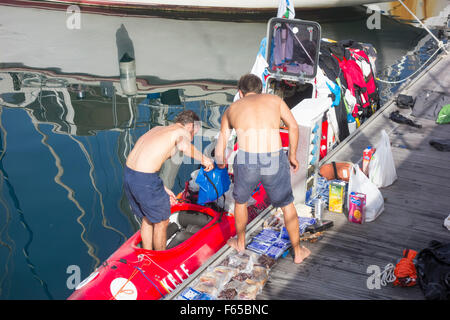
[
  {"x": 149, "y": 199},
  {"x": 155, "y": 147},
  {"x": 161, "y": 143},
  {"x": 256, "y": 119}
]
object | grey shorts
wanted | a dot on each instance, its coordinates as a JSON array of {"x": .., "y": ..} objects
[{"x": 271, "y": 169}]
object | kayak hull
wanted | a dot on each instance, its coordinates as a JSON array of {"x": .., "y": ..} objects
[{"x": 133, "y": 273}]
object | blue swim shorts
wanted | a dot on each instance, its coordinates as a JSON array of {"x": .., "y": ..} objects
[
  {"x": 146, "y": 195},
  {"x": 271, "y": 169}
]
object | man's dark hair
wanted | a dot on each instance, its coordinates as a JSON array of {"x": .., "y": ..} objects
[
  {"x": 250, "y": 83},
  {"x": 186, "y": 117}
]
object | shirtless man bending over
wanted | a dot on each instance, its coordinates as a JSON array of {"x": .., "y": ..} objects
[
  {"x": 148, "y": 197},
  {"x": 256, "y": 119}
]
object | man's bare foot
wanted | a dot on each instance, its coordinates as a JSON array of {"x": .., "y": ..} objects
[
  {"x": 301, "y": 255},
  {"x": 233, "y": 242}
]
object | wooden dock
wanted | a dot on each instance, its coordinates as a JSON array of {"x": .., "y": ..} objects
[
  {"x": 415, "y": 208},
  {"x": 414, "y": 212}
]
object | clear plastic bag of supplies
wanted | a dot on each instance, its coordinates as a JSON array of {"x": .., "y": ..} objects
[{"x": 212, "y": 281}]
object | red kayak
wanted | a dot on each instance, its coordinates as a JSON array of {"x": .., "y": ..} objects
[{"x": 195, "y": 233}]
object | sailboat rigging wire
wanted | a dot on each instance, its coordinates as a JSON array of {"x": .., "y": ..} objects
[
  {"x": 440, "y": 46},
  {"x": 440, "y": 43}
]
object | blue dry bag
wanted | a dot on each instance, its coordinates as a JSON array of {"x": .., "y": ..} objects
[{"x": 212, "y": 184}]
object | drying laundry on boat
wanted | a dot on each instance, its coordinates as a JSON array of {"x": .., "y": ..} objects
[{"x": 302, "y": 68}]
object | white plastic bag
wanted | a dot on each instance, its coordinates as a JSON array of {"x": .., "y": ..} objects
[
  {"x": 193, "y": 186},
  {"x": 447, "y": 222},
  {"x": 382, "y": 171},
  {"x": 374, "y": 199},
  {"x": 227, "y": 201}
]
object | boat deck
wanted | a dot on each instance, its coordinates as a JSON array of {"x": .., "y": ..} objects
[{"x": 415, "y": 208}]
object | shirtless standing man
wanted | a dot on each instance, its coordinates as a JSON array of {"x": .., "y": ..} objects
[
  {"x": 256, "y": 119},
  {"x": 146, "y": 193}
]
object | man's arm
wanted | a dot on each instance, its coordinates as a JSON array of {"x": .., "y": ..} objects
[
  {"x": 184, "y": 145},
  {"x": 222, "y": 141},
  {"x": 290, "y": 122}
]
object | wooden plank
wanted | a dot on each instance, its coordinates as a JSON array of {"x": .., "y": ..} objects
[
  {"x": 425, "y": 178},
  {"x": 406, "y": 202},
  {"x": 418, "y": 166},
  {"x": 329, "y": 274},
  {"x": 402, "y": 155},
  {"x": 430, "y": 131},
  {"x": 419, "y": 190}
]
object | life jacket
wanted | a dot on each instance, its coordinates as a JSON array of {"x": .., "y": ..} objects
[
  {"x": 355, "y": 83},
  {"x": 363, "y": 61},
  {"x": 358, "y": 73},
  {"x": 360, "y": 53}
]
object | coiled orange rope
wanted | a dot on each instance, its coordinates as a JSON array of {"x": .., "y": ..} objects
[{"x": 405, "y": 270}]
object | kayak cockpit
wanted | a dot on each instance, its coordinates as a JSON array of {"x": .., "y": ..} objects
[{"x": 183, "y": 224}]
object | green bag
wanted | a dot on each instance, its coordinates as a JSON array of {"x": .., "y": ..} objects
[{"x": 444, "y": 115}]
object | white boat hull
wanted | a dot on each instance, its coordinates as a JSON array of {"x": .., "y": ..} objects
[
  {"x": 195, "y": 6},
  {"x": 228, "y": 4}
]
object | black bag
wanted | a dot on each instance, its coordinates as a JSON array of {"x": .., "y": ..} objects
[
  {"x": 405, "y": 102},
  {"x": 433, "y": 271}
]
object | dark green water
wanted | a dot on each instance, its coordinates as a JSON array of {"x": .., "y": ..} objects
[{"x": 61, "y": 157}]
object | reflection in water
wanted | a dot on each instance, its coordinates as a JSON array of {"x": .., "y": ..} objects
[
  {"x": 70, "y": 193},
  {"x": 124, "y": 43},
  {"x": 18, "y": 209},
  {"x": 8, "y": 243},
  {"x": 105, "y": 223},
  {"x": 392, "y": 77},
  {"x": 100, "y": 117}
]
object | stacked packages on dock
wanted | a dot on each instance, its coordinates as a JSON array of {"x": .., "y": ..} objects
[
  {"x": 270, "y": 242},
  {"x": 322, "y": 192},
  {"x": 241, "y": 276},
  {"x": 275, "y": 243}
]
